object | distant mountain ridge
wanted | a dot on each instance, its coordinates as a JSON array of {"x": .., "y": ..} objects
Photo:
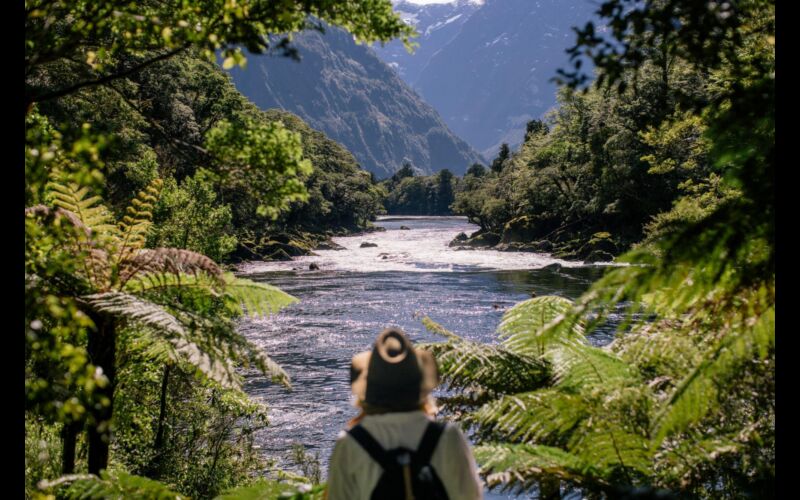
[
  {"x": 437, "y": 25},
  {"x": 492, "y": 74},
  {"x": 347, "y": 92}
]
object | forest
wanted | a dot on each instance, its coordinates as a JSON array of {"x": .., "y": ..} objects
[{"x": 147, "y": 174}]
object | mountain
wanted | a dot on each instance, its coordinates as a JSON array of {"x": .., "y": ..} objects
[
  {"x": 493, "y": 75},
  {"x": 347, "y": 92},
  {"x": 436, "y": 24}
]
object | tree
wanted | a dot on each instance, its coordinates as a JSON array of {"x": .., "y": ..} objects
[
  {"x": 684, "y": 397},
  {"x": 502, "y": 156},
  {"x": 100, "y": 42},
  {"x": 103, "y": 268},
  {"x": 476, "y": 170}
]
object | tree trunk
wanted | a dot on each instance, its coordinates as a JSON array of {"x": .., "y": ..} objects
[
  {"x": 102, "y": 352},
  {"x": 162, "y": 413},
  {"x": 549, "y": 489},
  {"x": 69, "y": 435}
]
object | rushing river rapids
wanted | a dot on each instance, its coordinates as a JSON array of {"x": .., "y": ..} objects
[{"x": 359, "y": 291}]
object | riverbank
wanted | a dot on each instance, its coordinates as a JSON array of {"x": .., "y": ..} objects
[
  {"x": 523, "y": 234},
  {"x": 285, "y": 245}
]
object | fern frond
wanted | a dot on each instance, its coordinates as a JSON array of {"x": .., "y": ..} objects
[
  {"x": 612, "y": 449},
  {"x": 532, "y": 325},
  {"x": 168, "y": 260},
  {"x": 128, "y": 307},
  {"x": 138, "y": 218},
  {"x": 543, "y": 416},
  {"x": 698, "y": 393},
  {"x": 577, "y": 365},
  {"x": 269, "y": 490},
  {"x": 155, "y": 281},
  {"x": 522, "y": 465},
  {"x": 257, "y": 299},
  {"x": 466, "y": 365},
  {"x": 113, "y": 485},
  {"x": 89, "y": 209},
  {"x": 434, "y": 327}
]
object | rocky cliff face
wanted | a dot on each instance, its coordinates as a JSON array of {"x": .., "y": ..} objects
[{"x": 347, "y": 92}]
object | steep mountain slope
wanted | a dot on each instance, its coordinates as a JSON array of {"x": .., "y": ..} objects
[
  {"x": 437, "y": 24},
  {"x": 347, "y": 92},
  {"x": 494, "y": 75}
]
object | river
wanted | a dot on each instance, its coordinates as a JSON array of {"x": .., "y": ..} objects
[{"x": 359, "y": 291}]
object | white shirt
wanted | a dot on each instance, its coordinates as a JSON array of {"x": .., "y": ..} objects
[{"x": 353, "y": 474}]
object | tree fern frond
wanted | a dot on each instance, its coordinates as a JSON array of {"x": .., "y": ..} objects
[
  {"x": 611, "y": 449},
  {"x": 434, "y": 327},
  {"x": 155, "y": 281},
  {"x": 269, "y": 490},
  {"x": 698, "y": 392},
  {"x": 522, "y": 465},
  {"x": 577, "y": 365},
  {"x": 543, "y": 416},
  {"x": 138, "y": 217},
  {"x": 466, "y": 364},
  {"x": 257, "y": 299},
  {"x": 45, "y": 211},
  {"x": 169, "y": 260},
  {"x": 128, "y": 307},
  {"x": 530, "y": 326},
  {"x": 89, "y": 209},
  {"x": 113, "y": 485}
]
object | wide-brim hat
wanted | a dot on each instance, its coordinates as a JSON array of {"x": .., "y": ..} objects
[{"x": 394, "y": 375}]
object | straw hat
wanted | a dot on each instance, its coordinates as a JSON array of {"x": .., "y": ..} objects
[{"x": 393, "y": 375}]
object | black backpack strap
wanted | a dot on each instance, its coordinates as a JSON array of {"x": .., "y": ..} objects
[
  {"x": 370, "y": 445},
  {"x": 428, "y": 442}
]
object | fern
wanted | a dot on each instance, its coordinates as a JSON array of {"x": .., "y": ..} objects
[
  {"x": 522, "y": 465},
  {"x": 109, "y": 486},
  {"x": 138, "y": 217},
  {"x": 544, "y": 416},
  {"x": 215, "y": 366},
  {"x": 88, "y": 209},
  {"x": 173, "y": 261},
  {"x": 256, "y": 298},
  {"x": 532, "y": 325},
  {"x": 464, "y": 364},
  {"x": 699, "y": 391}
]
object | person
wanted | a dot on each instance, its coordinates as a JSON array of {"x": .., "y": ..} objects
[{"x": 394, "y": 448}]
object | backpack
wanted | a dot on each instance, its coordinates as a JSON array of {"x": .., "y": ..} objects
[{"x": 403, "y": 467}]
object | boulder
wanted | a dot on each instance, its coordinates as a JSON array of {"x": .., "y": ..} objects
[
  {"x": 459, "y": 239},
  {"x": 279, "y": 254},
  {"x": 599, "y": 256},
  {"x": 483, "y": 240},
  {"x": 328, "y": 245},
  {"x": 405, "y": 228},
  {"x": 599, "y": 242},
  {"x": 527, "y": 228},
  {"x": 368, "y": 244},
  {"x": 313, "y": 266}
]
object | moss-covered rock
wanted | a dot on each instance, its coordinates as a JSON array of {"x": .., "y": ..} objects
[
  {"x": 527, "y": 228},
  {"x": 482, "y": 240}
]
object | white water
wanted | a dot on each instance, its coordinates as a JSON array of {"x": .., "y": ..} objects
[{"x": 419, "y": 249}]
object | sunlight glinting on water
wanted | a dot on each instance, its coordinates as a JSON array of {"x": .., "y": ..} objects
[{"x": 419, "y": 249}]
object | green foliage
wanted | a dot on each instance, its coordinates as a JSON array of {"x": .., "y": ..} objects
[
  {"x": 104, "y": 41},
  {"x": 340, "y": 194},
  {"x": 265, "y": 158},
  {"x": 116, "y": 485},
  {"x": 420, "y": 195},
  {"x": 189, "y": 216}
]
